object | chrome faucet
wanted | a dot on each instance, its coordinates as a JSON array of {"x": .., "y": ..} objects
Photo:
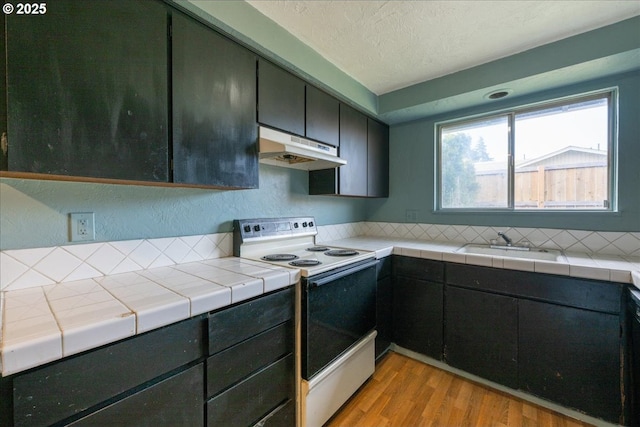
[{"x": 506, "y": 238}]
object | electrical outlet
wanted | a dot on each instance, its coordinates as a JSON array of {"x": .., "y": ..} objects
[
  {"x": 82, "y": 227},
  {"x": 411, "y": 215}
]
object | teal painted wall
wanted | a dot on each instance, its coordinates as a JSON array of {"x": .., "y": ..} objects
[
  {"x": 412, "y": 165},
  {"x": 34, "y": 213}
]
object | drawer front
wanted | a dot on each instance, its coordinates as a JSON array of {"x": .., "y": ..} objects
[
  {"x": 569, "y": 291},
  {"x": 254, "y": 398},
  {"x": 176, "y": 401},
  {"x": 232, "y": 325},
  {"x": 418, "y": 268},
  {"x": 93, "y": 377},
  {"x": 233, "y": 364},
  {"x": 283, "y": 416}
]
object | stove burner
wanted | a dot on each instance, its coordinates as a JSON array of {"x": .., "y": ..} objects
[
  {"x": 305, "y": 263},
  {"x": 341, "y": 252},
  {"x": 279, "y": 257},
  {"x": 318, "y": 249}
]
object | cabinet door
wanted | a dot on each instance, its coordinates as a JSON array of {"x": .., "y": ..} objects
[
  {"x": 384, "y": 306},
  {"x": 377, "y": 159},
  {"x": 175, "y": 401},
  {"x": 323, "y": 117},
  {"x": 417, "y": 315},
  {"x": 46, "y": 395},
  {"x": 353, "y": 148},
  {"x": 571, "y": 356},
  {"x": 281, "y": 101},
  {"x": 87, "y": 90},
  {"x": 214, "y": 119},
  {"x": 481, "y": 334}
]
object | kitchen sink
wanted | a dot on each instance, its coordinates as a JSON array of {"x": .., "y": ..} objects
[{"x": 513, "y": 252}]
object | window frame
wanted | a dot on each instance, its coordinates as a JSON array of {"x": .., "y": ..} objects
[{"x": 510, "y": 113}]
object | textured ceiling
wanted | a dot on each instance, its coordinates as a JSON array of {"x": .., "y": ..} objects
[{"x": 388, "y": 45}]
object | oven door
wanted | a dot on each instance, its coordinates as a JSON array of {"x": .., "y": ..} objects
[{"x": 338, "y": 309}]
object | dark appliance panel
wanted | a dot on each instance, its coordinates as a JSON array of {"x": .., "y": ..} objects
[{"x": 338, "y": 309}]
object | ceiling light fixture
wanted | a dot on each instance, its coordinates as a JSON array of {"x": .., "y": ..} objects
[{"x": 498, "y": 94}]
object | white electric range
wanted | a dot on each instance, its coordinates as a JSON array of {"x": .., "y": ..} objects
[{"x": 337, "y": 308}]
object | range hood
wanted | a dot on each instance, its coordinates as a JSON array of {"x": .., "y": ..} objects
[{"x": 281, "y": 149}]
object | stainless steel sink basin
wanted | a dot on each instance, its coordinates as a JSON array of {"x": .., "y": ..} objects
[{"x": 513, "y": 252}]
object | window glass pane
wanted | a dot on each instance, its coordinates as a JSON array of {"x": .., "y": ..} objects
[
  {"x": 561, "y": 157},
  {"x": 474, "y": 172}
]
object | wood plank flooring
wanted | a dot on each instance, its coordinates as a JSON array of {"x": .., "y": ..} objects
[{"x": 404, "y": 392}]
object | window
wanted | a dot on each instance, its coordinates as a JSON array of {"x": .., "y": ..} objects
[{"x": 554, "y": 156}]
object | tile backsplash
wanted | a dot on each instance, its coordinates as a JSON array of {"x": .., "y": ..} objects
[
  {"x": 590, "y": 242},
  {"x": 25, "y": 268}
]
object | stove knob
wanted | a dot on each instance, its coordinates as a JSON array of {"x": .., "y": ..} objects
[
  {"x": 310, "y": 223},
  {"x": 304, "y": 224},
  {"x": 247, "y": 228},
  {"x": 295, "y": 225},
  {"x": 256, "y": 228}
]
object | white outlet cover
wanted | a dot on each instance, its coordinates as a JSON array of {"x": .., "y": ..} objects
[{"x": 79, "y": 233}]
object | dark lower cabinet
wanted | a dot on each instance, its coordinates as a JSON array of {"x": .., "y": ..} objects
[
  {"x": 384, "y": 306},
  {"x": 175, "y": 401},
  {"x": 418, "y": 305},
  {"x": 215, "y": 135},
  {"x": 251, "y": 368},
  {"x": 571, "y": 356},
  {"x": 114, "y": 379},
  {"x": 87, "y": 90},
  {"x": 481, "y": 334},
  {"x": 556, "y": 337},
  {"x": 254, "y": 398},
  {"x": 168, "y": 377}
]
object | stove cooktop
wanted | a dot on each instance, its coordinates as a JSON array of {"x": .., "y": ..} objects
[
  {"x": 312, "y": 261},
  {"x": 290, "y": 242}
]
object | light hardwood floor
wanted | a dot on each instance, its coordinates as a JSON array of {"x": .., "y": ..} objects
[{"x": 404, "y": 392}]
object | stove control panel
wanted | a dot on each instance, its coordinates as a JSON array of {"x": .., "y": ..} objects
[{"x": 272, "y": 228}]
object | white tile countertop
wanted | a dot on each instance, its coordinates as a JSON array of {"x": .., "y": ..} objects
[
  {"x": 41, "y": 324},
  {"x": 622, "y": 269},
  {"x": 46, "y": 323}
]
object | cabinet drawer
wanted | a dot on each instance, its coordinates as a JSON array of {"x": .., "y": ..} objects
[
  {"x": 81, "y": 382},
  {"x": 569, "y": 291},
  {"x": 175, "y": 401},
  {"x": 419, "y": 268},
  {"x": 282, "y": 416},
  {"x": 230, "y": 326},
  {"x": 230, "y": 366},
  {"x": 254, "y": 398}
]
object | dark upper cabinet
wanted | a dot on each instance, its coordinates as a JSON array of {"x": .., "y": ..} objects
[
  {"x": 364, "y": 144},
  {"x": 377, "y": 159},
  {"x": 323, "y": 117},
  {"x": 214, "y": 119},
  {"x": 287, "y": 103},
  {"x": 3, "y": 100},
  {"x": 281, "y": 99},
  {"x": 87, "y": 90},
  {"x": 352, "y": 177}
]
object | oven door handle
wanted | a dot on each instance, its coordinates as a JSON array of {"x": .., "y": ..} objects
[{"x": 332, "y": 277}]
